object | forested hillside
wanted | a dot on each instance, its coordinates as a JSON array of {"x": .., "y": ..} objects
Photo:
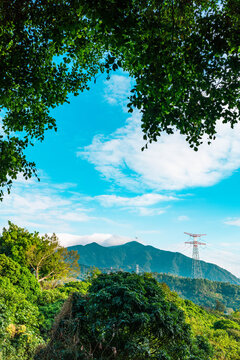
[
  {"x": 203, "y": 292},
  {"x": 150, "y": 259},
  {"x": 223, "y": 332}
]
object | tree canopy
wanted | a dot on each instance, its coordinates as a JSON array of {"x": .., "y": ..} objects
[
  {"x": 42, "y": 255},
  {"x": 19, "y": 276},
  {"x": 19, "y": 319},
  {"x": 183, "y": 55},
  {"x": 124, "y": 316}
]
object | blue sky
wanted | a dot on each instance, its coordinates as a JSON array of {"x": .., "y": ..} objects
[{"x": 97, "y": 185}]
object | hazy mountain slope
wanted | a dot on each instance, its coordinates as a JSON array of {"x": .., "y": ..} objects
[{"x": 149, "y": 259}]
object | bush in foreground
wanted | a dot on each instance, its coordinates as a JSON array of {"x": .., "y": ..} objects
[{"x": 124, "y": 316}]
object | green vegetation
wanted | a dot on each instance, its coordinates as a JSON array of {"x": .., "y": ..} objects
[
  {"x": 219, "y": 295},
  {"x": 25, "y": 324},
  {"x": 124, "y": 316},
  {"x": 119, "y": 315},
  {"x": 209, "y": 324},
  {"x": 27, "y": 310},
  {"x": 19, "y": 318},
  {"x": 129, "y": 316},
  {"x": 183, "y": 55},
  {"x": 19, "y": 276},
  {"x": 42, "y": 255}
]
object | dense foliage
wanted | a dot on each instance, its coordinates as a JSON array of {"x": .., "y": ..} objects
[
  {"x": 212, "y": 294},
  {"x": 183, "y": 55},
  {"x": 123, "y": 316},
  {"x": 27, "y": 311},
  {"x": 19, "y": 334},
  {"x": 26, "y": 318},
  {"x": 42, "y": 255},
  {"x": 223, "y": 335},
  {"x": 51, "y": 301},
  {"x": 19, "y": 276}
]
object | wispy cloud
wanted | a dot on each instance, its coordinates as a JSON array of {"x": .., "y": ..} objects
[
  {"x": 42, "y": 205},
  {"x": 149, "y": 232},
  {"x": 142, "y": 200},
  {"x": 144, "y": 204},
  {"x": 231, "y": 221},
  {"x": 183, "y": 218},
  {"x": 117, "y": 90},
  {"x": 168, "y": 164},
  {"x": 144, "y": 211},
  {"x": 100, "y": 238}
]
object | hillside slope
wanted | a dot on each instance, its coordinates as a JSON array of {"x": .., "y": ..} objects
[
  {"x": 149, "y": 259},
  {"x": 203, "y": 292}
]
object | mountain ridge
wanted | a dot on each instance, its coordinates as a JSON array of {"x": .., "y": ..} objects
[{"x": 150, "y": 259}]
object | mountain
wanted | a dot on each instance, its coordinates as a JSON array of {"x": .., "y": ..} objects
[{"x": 150, "y": 259}]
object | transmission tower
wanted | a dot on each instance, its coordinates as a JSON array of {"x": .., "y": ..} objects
[
  {"x": 196, "y": 265},
  {"x": 137, "y": 269}
]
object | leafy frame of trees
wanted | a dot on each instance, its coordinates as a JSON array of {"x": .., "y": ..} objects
[{"x": 183, "y": 55}]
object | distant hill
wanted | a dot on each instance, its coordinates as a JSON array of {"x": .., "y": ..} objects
[
  {"x": 203, "y": 292},
  {"x": 150, "y": 259}
]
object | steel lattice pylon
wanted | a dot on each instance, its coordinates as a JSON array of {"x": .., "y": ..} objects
[{"x": 196, "y": 265}]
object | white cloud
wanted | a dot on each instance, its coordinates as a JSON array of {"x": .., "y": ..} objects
[
  {"x": 75, "y": 216},
  {"x": 143, "y": 211},
  {"x": 168, "y": 164},
  {"x": 183, "y": 218},
  {"x": 64, "y": 186},
  {"x": 149, "y": 232},
  {"x": 234, "y": 222},
  {"x": 100, "y": 238},
  {"x": 117, "y": 90},
  {"x": 139, "y": 204},
  {"x": 142, "y": 200},
  {"x": 43, "y": 205}
]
